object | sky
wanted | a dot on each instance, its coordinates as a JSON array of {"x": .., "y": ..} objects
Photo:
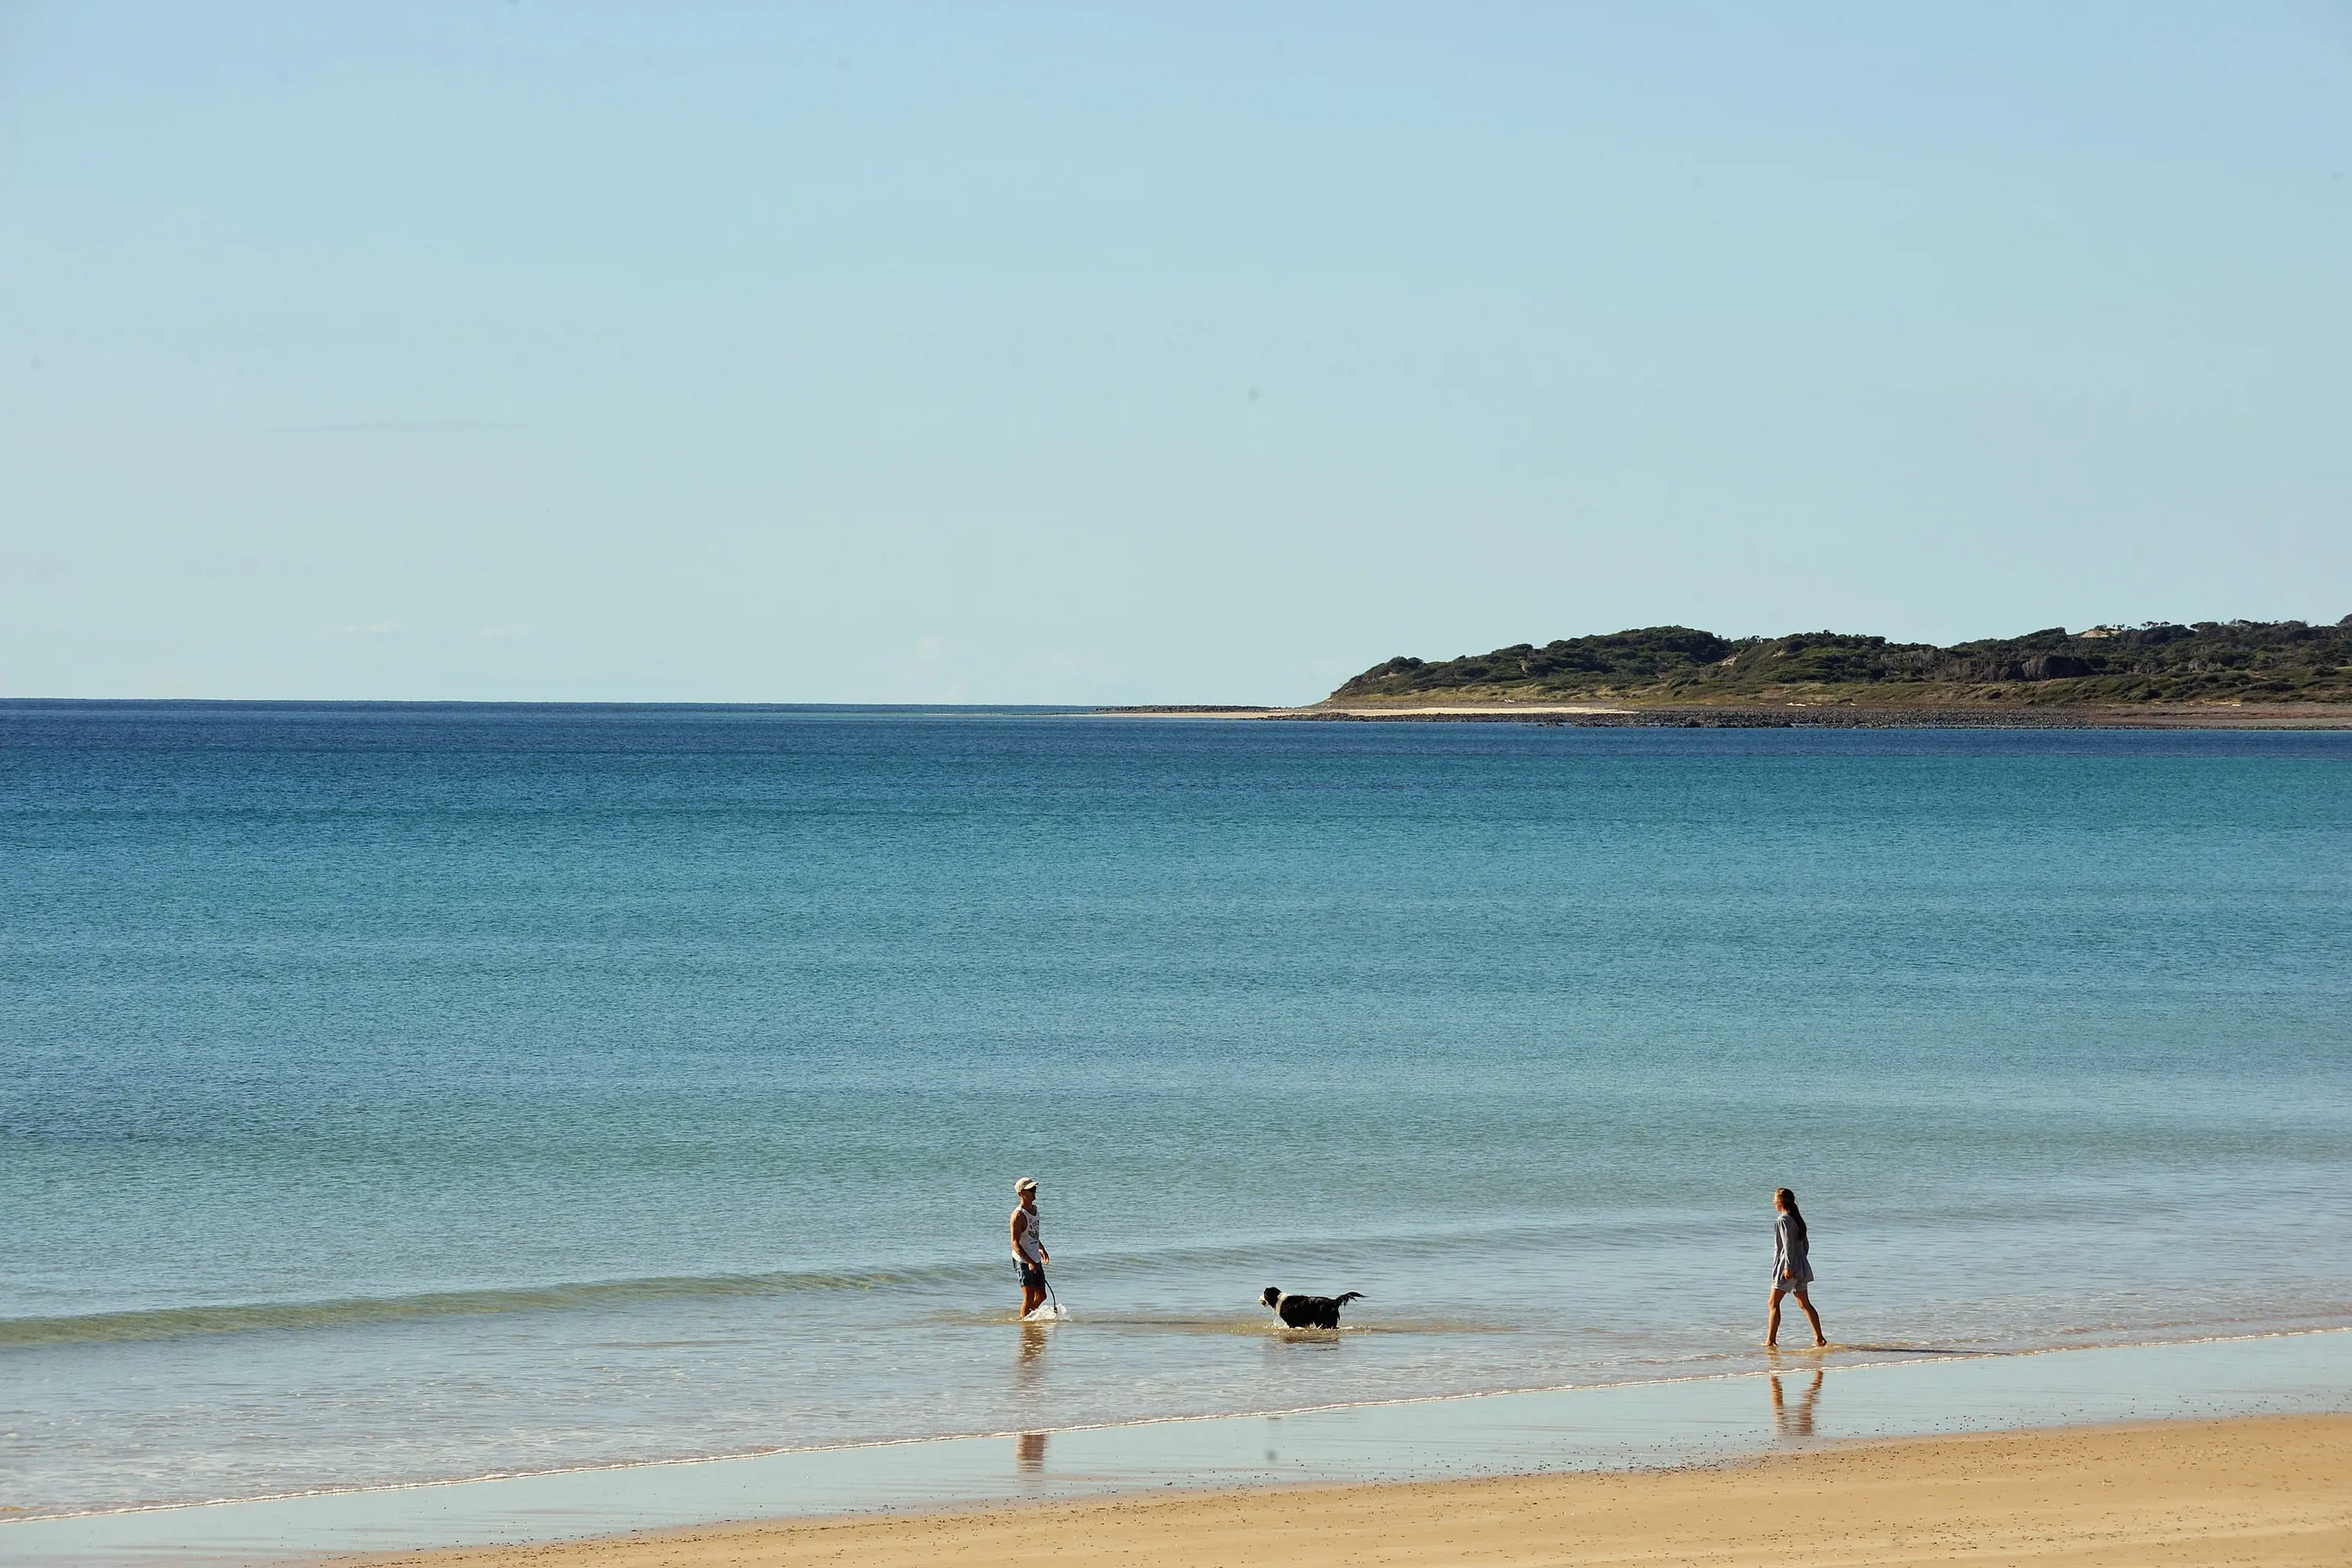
[{"x": 1128, "y": 353}]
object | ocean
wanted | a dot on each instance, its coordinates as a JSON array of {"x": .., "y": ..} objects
[{"x": 392, "y": 1093}]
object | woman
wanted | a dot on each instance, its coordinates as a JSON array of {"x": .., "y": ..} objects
[{"x": 1791, "y": 1273}]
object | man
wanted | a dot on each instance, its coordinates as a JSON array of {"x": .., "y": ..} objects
[{"x": 1028, "y": 1250}]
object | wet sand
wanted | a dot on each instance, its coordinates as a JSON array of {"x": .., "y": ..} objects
[
  {"x": 2267, "y": 1490},
  {"x": 1865, "y": 1442}
]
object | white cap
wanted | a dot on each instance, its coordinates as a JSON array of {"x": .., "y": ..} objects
[{"x": 1026, "y": 1184}]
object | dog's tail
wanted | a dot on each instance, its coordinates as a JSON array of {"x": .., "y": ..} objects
[{"x": 1351, "y": 1296}]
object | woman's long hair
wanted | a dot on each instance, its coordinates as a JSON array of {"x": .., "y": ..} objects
[{"x": 1788, "y": 1200}]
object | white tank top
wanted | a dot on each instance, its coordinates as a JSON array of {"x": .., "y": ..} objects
[{"x": 1032, "y": 1247}]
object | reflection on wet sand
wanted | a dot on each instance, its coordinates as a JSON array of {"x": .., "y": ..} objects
[
  {"x": 1029, "y": 1447},
  {"x": 1797, "y": 1420}
]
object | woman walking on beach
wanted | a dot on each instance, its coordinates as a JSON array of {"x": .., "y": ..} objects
[{"x": 1791, "y": 1272}]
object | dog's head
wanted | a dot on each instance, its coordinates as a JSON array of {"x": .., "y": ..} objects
[{"x": 1273, "y": 1294}]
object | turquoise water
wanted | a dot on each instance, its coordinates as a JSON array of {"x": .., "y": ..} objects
[{"x": 391, "y": 1093}]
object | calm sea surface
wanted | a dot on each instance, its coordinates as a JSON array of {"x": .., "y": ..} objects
[{"x": 395, "y": 1093}]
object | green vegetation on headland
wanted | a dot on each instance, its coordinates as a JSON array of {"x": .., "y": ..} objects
[{"x": 2209, "y": 662}]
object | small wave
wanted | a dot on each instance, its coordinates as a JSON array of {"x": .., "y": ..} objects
[
  {"x": 255, "y": 1317},
  {"x": 1271, "y": 1328},
  {"x": 1244, "y": 1325}
]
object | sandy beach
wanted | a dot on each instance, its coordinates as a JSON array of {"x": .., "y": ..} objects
[{"x": 2272, "y": 1491}]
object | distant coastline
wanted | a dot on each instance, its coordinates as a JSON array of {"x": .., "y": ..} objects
[
  {"x": 2229, "y": 675},
  {"x": 1791, "y": 716}
]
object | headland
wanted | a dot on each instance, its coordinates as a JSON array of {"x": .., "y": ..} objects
[{"x": 2228, "y": 675}]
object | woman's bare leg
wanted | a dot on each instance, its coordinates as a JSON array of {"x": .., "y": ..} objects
[
  {"x": 1810, "y": 1316},
  {"x": 1772, "y": 1322}
]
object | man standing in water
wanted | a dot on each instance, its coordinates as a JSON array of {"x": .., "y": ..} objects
[{"x": 1028, "y": 1248}]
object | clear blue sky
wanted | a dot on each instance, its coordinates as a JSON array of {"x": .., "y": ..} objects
[{"x": 988, "y": 352}]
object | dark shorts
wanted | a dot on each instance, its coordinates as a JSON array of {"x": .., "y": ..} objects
[{"x": 1032, "y": 1277}]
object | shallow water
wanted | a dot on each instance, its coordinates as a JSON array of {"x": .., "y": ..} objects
[{"x": 389, "y": 1093}]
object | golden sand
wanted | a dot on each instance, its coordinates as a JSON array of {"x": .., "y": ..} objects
[{"x": 2270, "y": 1490}]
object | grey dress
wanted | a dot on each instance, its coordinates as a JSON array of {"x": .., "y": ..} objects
[{"x": 1791, "y": 1269}]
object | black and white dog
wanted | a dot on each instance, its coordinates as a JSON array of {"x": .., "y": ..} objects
[{"x": 1307, "y": 1311}]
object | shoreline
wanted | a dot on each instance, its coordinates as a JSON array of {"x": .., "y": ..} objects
[
  {"x": 1801, "y": 1402},
  {"x": 2264, "y": 1490},
  {"x": 1791, "y": 716}
]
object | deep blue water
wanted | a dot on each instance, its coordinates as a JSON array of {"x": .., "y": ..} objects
[{"x": 388, "y": 1093}]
